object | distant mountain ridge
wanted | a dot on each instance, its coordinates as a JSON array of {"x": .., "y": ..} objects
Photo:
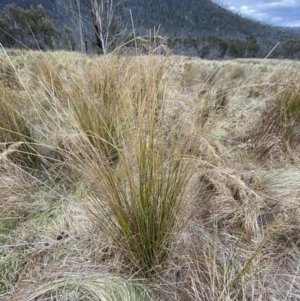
[{"x": 196, "y": 27}]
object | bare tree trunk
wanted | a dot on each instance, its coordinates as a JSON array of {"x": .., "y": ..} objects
[
  {"x": 103, "y": 12},
  {"x": 96, "y": 24},
  {"x": 80, "y": 27}
]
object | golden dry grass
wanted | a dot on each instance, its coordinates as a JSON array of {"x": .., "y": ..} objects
[{"x": 109, "y": 131}]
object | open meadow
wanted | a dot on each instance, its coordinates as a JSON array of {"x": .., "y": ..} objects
[{"x": 148, "y": 178}]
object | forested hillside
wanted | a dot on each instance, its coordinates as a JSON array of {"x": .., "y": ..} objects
[{"x": 198, "y": 28}]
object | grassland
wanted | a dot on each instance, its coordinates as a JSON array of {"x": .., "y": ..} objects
[{"x": 148, "y": 178}]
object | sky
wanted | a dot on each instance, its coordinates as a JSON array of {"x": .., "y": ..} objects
[{"x": 280, "y": 13}]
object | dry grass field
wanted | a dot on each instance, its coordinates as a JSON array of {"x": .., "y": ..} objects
[{"x": 148, "y": 178}]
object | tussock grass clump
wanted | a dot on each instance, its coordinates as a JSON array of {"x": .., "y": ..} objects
[
  {"x": 15, "y": 134},
  {"x": 45, "y": 73},
  {"x": 7, "y": 74},
  {"x": 93, "y": 287},
  {"x": 189, "y": 75},
  {"x": 14, "y": 210},
  {"x": 100, "y": 105},
  {"x": 230, "y": 201},
  {"x": 139, "y": 202},
  {"x": 211, "y": 105},
  {"x": 140, "y": 205},
  {"x": 276, "y": 134},
  {"x": 234, "y": 72},
  {"x": 105, "y": 99}
]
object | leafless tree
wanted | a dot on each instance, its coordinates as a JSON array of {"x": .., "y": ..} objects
[{"x": 104, "y": 16}]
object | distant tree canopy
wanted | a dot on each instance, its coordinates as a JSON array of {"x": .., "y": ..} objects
[
  {"x": 26, "y": 28},
  {"x": 292, "y": 47},
  {"x": 216, "y": 47},
  {"x": 246, "y": 48}
]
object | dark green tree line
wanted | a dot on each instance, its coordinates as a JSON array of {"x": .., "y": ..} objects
[{"x": 26, "y": 28}]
